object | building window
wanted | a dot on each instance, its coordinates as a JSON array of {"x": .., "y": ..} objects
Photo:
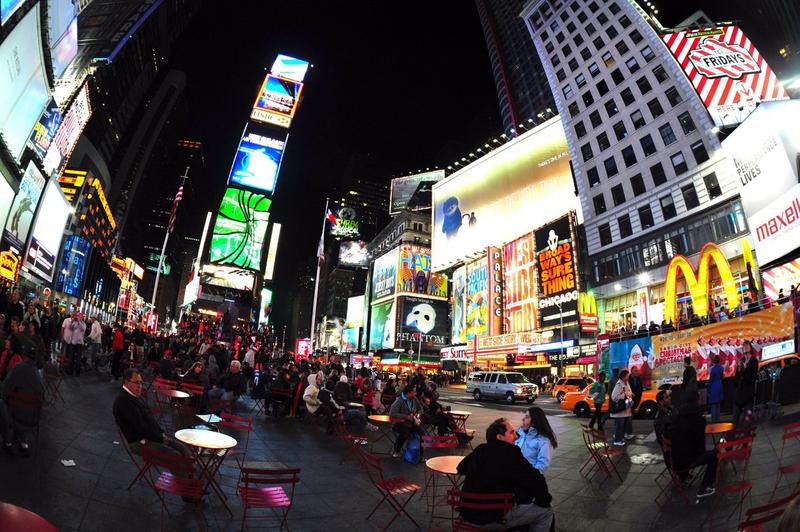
[
  {"x": 566, "y": 50},
  {"x": 604, "y": 231},
  {"x": 687, "y": 124},
  {"x": 594, "y": 69},
  {"x": 594, "y": 118},
  {"x": 619, "y": 130},
  {"x": 559, "y": 35},
  {"x": 624, "y": 21},
  {"x": 624, "y": 223},
  {"x": 599, "y": 204},
  {"x": 637, "y": 119},
  {"x": 648, "y": 146},
  {"x": 590, "y": 29},
  {"x": 586, "y": 54},
  {"x": 627, "y": 96},
  {"x": 699, "y": 152},
  {"x": 637, "y": 185},
  {"x": 582, "y": 16},
  {"x": 668, "y": 207},
  {"x": 593, "y": 176},
  {"x": 602, "y": 87},
  {"x": 573, "y": 109},
  {"x": 629, "y": 156},
  {"x": 593, "y": 7},
  {"x": 660, "y": 74},
  {"x": 678, "y": 163},
  {"x": 599, "y": 43},
  {"x": 658, "y": 174},
  {"x": 571, "y": 25},
  {"x": 602, "y": 141},
  {"x": 588, "y": 99},
  {"x": 580, "y": 80},
  {"x": 673, "y": 96},
  {"x": 602, "y": 18},
  {"x": 646, "y": 217},
  {"x": 544, "y": 35},
  {"x": 617, "y": 76},
  {"x": 612, "y": 32},
  {"x": 611, "y": 166},
  {"x": 555, "y": 60},
  {"x": 608, "y": 59},
  {"x": 636, "y": 37},
  {"x": 573, "y": 64},
  {"x": 644, "y": 85},
  {"x": 561, "y": 75},
  {"x": 648, "y": 54},
  {"x": 574, "y": 7},
  {"x": 549, "y": 47},
  {"x": 690, "y": 196},
  {"x": 586, "y": 151},
  {"x": 580, "y": 129},
  {"x": 712, "y": 185},
  {"x": 621, "y": 47},
  {"x": 632, "y": 64},
  {"x": 614, "y": 8},
  {"x": 655, "y": 108},
  {"x": 611, "y": 107},
  {"x": 578, "y": 39},
  {"x": 568, "y": 94},
  {"x": 667, "y": 135},
  {"x": 564, "y": 16}
]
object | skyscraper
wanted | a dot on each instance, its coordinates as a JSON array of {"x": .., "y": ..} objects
[{"x": 522, "y": 88}]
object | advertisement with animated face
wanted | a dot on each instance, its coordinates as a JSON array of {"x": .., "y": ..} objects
[{"x": 422, "y": 319}]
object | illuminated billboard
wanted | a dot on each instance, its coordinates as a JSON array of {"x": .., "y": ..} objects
[
  {"x": 730, "y": 75},
  {"x": 350, "y": 339},
  {"x": 353, "y": 253},
  {"x": 519, "y": 262},
  {"x": 227, "y": 277},
  {"x": 151, "y": 264},
  {"x": 6, "y": 197},
  {"x": 239, "y": 229},
  {"x": 513, "y": 189},
  {"x": 477, "y": 302},
  {"x": 23, "y": 81},
  {"x": 348, "y": 222},
  {"x": 382, "y": 325},
  {"x": 265, "y": 306},
  {"x": 258, "y": 159},
  {"x": 272, "y": 252},
  {"x": 18, "y": 224},
  {"x": 71, "y": 182},
  {"x": 458, "y": 303},
  {"x": 384, "y": 275},
  {"x": 69, "y": 132},
  {"x": 97, "y": 222},
  {"x": 289, "y": 67},
  {"x": 556, "y": 263},
  {"x": 48, "y": 231},
  {"x": 45, "y": 129},
  {"x": 422, "y": 323},
  {"x": 62, "y": 31},
  {"x": 73, "y": 265},
  {"x": 355, "y": 311},
  {"x": 7, "y": 8},
  {"x": 414, "y": 275},
  {"x": 764, "y": 150},
  {"x": 403, "y": 189},
  {"x": 277, "y": 101}
]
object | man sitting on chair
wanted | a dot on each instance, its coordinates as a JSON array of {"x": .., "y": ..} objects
[{"x": 231, "y": 385}]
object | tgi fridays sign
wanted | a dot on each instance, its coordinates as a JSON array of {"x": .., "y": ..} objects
[{"x": 728, "y": 72}]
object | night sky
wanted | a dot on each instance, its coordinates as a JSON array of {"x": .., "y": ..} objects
[{"x": 412, "y": 87}]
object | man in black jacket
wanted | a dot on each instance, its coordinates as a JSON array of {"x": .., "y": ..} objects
[
  {"x": 498, "y": 466},
  {"x": 745, "y": 383},
  {"x": 231, "y": 385},
  {"x": 22, "y": 422},
  {"x": 688, "y": 434}
]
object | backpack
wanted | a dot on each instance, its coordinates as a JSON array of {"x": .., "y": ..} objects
[{"x": 413, "y": 454}]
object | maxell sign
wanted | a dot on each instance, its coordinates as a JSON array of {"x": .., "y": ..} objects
[{"x": 765, "y": 151}]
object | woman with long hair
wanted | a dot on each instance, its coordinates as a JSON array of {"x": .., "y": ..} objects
[{"x": 536, "y": 438}]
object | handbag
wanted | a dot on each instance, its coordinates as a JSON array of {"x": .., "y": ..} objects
[{"x": 413, "y": 452}]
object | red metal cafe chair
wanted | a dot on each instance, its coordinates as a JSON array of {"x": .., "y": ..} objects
[
  {"x": 264, "y": 488},
  {"x": 477, "y": 501},
  {"x": 141, "y": 468},
  {"x": 391, "y": 489},
  {"x": 240, "y": 424},
  {"x": 736, "y": 451},
  {"x": 353, "y": 441},
  {"x": 790, "y": 432},
  {"x": 169, "y": 482},
  {"x": 448, "y": 442},
  {"x": 756, "y": 517},
  {"x": 606, "y": 454},
  {"x": 678, "y": 480}
]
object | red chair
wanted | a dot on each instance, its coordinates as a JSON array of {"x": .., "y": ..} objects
[
  {"x": 605, "y": 453},
  {"x": 263, "y": 488},
  {"x": 141, "y": 468},
  {"x": 679, "y": 479},
  {"x": 390, "y": 489},
  {"x": 460, "y": 422},
  {"x": 239, "y": 423},
  {"x": 732, "y": 452},
  {"x": 500, "y": 502},
  {"x": 353, "y": 441},
  {"x": 169, "y": 482},
  {"x": 449, "y": 442},
  {"x": 790, "y": 432},
  {"x": 756, "y": 517},
  {"x": 386, "y": 402},
  {"x": 52, "y": 384}
]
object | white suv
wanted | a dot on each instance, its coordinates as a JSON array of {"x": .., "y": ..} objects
[{"x": 506, "y": 385}]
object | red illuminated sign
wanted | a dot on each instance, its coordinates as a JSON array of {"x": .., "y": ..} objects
[{"x": 519, "y": 263}]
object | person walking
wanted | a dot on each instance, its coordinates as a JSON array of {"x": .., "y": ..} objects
[
  {"x": 715, "y": 394},
  {"x": 118, "y": 348},
  {"x": 536, "y": 439},
  {"x": 72, "y": 332},
  {"x": 598, "y": 394},
  {"x": 620, "y": 407}
]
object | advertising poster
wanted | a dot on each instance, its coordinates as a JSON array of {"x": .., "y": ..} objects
[
  {"x": 302, "y": 349},
  {"x": 350, "y": 339},
  {"x": 239, "y": 229},
  {"x": 384, "y": 275},
  {"x": 277, "y": 101},
  {"x": 7, "y": 8},
  {"x": 45, "y": 129},
  {"x": 73, "y": 263},
  {"x": 634, "y": 353},
  {"x": 227, "y": 277},
  {"x": 48, "y": 231},
  {"x": 496, "y": 281},
  {"x": 781, "y": 277},
  {"x": 289, "y": 67},
  {"x": 151, "y": 264},
  {"x": 726, "y": 70},
  {"x": 382, "y": 326},
  {"x": 62, "y": 32},
  {"x": 353, "y": 253},
  {"x": 414, "y": 275},
  {"x": 519, "y": 262},
  {"x": 258, "y": 159},
  {"x": 723, "y": 338},
  {"x": 517, "y": 187},
  {"x": 264, "y": 306},
  {"x": 348, "y": 222},
  {"x": 355, "y": 311},
  {"x": 20, "y": 218},
  {"x": 402, "y": 189},
  {"x": 458, "y": 306},
  {"x": 23, "y": 80},
  {"x": 6, "y": 197},
  {"x": 477, "y": 299},
  {"x": 69, "y": 131},
  {"x": 425, "y": 321},
  {"x": 557, "y": 273}
]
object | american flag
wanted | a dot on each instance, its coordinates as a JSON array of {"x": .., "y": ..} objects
[{"x": 178, "y": 196}]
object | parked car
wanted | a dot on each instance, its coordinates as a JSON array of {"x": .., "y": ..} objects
[
  {"x": 581, "y": 404},
  {"x": 507, "y": 385},
  {"x": 570, "y": 384}
]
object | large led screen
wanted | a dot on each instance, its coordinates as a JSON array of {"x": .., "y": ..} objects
[
  {"x": 264, "y": 306},
  {"x": 48, "y": 231},
  {"x": 227, "y": 277},
  {"x": 62, "y": 30},
  {"x": 353, "y": 253},
  {"x": 277, "y": 101},
  {"x": 558, "y": 286},
  {"x": 422, "y": 324},
  {"x": 414, "y": 275},
  {"x": 403, "y": 189},
  {"x": 519, "y": 268},
  {"x": 355, "y": 311},
  {"x": 258, "y": 159},
  {"x": 348, "y": 222},
  {"x": 24, "y": 90},
  {"x": 70, "y": 130},
  {"x": 18, "y": 224},
  {"x": 384, "y": 275},
  {"x": 730, "y": 75},
  {"x": 382, "y": 325},
  {"x": 73, "y": 265},
  {"x": 6, "y": 197},
  {"x": 513, "y": 189},
  {"x": 7, "y": 8},
  {"x": 289, "y": 67},
  {"x": 458, "y": 303},
  {"x": 239, "y": 229},
  {"x": 45, "y": 129}
]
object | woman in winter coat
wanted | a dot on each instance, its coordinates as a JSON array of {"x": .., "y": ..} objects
[
  {"x": 310, "y": 396},
  {"x": 621, "y": 416},
  {"x": 715, "y": 395},
  {"x": 536, "y": 439}
]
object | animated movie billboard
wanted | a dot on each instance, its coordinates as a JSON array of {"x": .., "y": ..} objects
[
  {"x": 477, "y": 299},
  {"x": 458, "y": 304},
  {"x": 414, "y": 274},
  {"x": 382, "y": 326},
  {"x": 353, "y": 253},
  {"x": 422, "y": 320}
]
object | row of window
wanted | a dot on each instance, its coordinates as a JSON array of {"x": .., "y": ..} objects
[
  {"x": 668, "y": 208},
  {"x": 539, "y": 18},
  {"x": 617, "y": 76}
]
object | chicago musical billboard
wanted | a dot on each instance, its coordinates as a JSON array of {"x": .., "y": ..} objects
[{"x": 558, "y": 285}]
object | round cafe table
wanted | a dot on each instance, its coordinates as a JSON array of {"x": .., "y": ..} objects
[
  {"x": 17, "y": 518},
  {"x": 716, "y": 430},
  {"x": 384, "y": 424},
  {"x": 446, "y": 466},
  {"x": 459, "y": 417},
  {"x": 218, "y": 444},
  {"x": 174, "y": 394},
  {"x": 210, "y": 420}
]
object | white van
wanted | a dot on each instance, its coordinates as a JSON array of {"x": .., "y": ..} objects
[{"x": 507, "y": 385}]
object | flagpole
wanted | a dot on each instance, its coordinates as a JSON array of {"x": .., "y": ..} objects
[
  {"x": 164, "y": 246},
  {"x": 316, "y": 278}
]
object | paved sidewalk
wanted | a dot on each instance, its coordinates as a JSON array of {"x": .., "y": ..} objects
[{"x": 330, "y": 497}]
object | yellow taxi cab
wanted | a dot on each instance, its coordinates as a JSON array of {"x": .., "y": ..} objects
[
  {"x": 778, "y": 363},
  {"x": 565, "y": 385},
  {"x": 580, "y": 404}
]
